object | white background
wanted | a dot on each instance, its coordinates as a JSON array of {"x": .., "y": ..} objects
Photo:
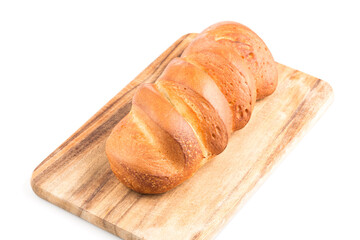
[{"x": 61, "y": 61}]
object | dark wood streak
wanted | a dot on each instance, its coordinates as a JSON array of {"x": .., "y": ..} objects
[
  {"x": 318, "y": 81},
  {"x": 291, "y": 118},
  {"x": 138, "y": 197},
  {"x": 104, "y": 179},
  {"x": 86, "y": 142},
  {"x": 117, "y": 204},
  {"x": 299, "y": 108},
  {"x": 85, "y": 185},
  {"x": 293, "y": 74},
  {"x": 143, "y": 219},
  {"x": 115, "y": 184},
  {"x": 150, "y": 210},
  {"x": 112, "y": 185},
  {"x": 82, "y": 129},
  {"x": 196, "y": 236}
]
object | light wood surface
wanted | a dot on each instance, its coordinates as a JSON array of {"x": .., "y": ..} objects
[{"x": 77, "y": 176}]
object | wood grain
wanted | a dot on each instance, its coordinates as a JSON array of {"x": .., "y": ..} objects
[{"x": 77, "y": 176}]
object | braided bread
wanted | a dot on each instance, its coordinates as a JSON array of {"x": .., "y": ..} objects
[{"x": 186, "y": 117}]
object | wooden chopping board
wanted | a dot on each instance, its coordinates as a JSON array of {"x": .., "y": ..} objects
[{"x": 77, "y": 176}]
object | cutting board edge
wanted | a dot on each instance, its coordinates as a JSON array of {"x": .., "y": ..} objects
[
  {"x": 116, "y": 230},
  {"x": 78, "y": 134},
  {"x": 131, "y": 85},
  {"x": 66, "y": 205}
]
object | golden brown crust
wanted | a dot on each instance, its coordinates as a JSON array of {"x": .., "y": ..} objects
[
  {"x": 199, "y": 113},
  {"x": 159, "y": 109},
  {"x": 181, "y": 71},
  {"x": 151, "y": 167},
  {"x": 231, "y": 82},
  {"x": 185, "y": 118},
  {"x": 158, "y": 162},
  {"x": 243, "y": 43}
]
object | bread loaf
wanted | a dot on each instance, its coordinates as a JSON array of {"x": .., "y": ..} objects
[{"x": 186, "y": 117}]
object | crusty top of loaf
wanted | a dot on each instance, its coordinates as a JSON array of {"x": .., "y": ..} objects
[
  {"x": 244, "y": 43},
  {"x": 181, "y": 71},
  {"x": 231, "y": 83},
  {"x": 199, "y": 113},
  {"x": 163, "y": 113},
  {"x": 187, "y": 116}
]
